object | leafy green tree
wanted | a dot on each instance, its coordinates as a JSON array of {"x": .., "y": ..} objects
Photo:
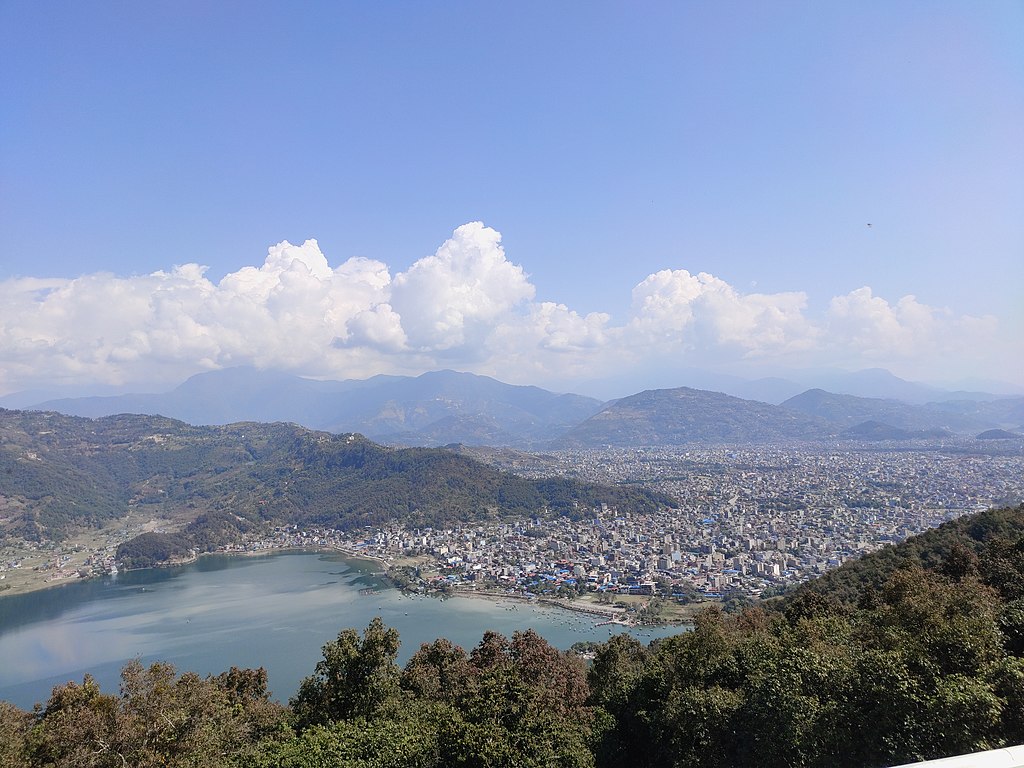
[
  {"x": 927, "y": 669},
  {"x": 159, "y": 719},
  {"x": 356, "y": 678},
  {"x": 438, "y": 671},
  {"x": 405, "y": 740},
  {"x": 79, "y": 726},
  {"x": 1009, "y": 686},
  {"x": 518, "y": 702},
  {"x": 14, "y": 729},
  {"x": 693, "y": 726},
  {"x": 617, "y": 671}
]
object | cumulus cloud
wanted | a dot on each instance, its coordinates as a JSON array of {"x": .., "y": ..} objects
[
  {"x": 702, "y": 311},
  {"x": 448, "y": 299},
  {"x": 871, "y": 328},
  {"x": 548, "y": 342},
  {"x": 379, "y": 328},
  {"x": 467, "y": 305},
  {"x": 101, "y": 327}
]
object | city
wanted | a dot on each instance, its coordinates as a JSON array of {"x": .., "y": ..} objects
[{"x": 751, "y": 522}]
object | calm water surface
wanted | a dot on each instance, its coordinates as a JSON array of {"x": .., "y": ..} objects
[{"x": 274, "y": 611}]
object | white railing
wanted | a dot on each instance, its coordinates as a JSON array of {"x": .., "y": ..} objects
[{"x": 1010, "y": 757}]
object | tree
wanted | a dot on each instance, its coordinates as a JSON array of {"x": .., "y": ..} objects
[
  {"x": 78, "y": 727},
  {"x": 14, "y": 729},
  {"x": 614, "y": 676},
  {"x": 929, "y": 662},
  {"x": 159, "y": 719},
  {"x": 438, "y": 671},
  {"x": 355, "y": 678},
  {"x": 518, "y": 702},
  {"x": 404, "y": 740}
]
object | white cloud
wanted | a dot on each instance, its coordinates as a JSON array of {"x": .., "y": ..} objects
[
  {"x": 379, "y": 327},
  {"x": 549, "y": 343},
  {"x": 703, "y": 312},
  {"x": 284, "y": 313},
  {"x": 908, "y": 331},
  {"x": 466, "y": 306},
  {"x": 448, "y": 299}
]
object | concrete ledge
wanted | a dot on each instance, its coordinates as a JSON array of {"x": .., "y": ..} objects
[{"x": 1010, "y": 757}]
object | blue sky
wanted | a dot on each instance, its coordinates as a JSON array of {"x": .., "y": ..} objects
[{"x": 608, "y": 143}]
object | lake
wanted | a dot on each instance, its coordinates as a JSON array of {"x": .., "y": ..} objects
[{"x": 274, "y": 611}]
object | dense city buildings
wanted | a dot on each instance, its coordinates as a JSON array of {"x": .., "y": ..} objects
[{"x": 750, "y": 521}]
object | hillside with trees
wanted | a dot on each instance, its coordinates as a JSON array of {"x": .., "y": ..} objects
[
  {"x": 61, "y": 473},
  {"x": 914, "y": 653}
]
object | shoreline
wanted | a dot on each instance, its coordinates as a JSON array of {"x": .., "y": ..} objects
[
  {"x": 38, "y": 582},
  {"x": 605, "y": 613},
  {"x": 482, "y": 594},
  {"x": 610, "y": 616},
  {"x": 46, "y": 584}
]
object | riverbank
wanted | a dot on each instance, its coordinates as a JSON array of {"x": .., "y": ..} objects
[
  {"x": 356, "y": 554},
  {"x": 486, "y": 594},
  {"x": 604, "y": 611},
  {"x": 16, "y": 582},
  {"x": 32, "y": 567}
]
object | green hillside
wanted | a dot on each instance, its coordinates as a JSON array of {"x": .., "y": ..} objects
[
  {"x": 58, "y": 473},
  {"x": 988, "y": 546}
]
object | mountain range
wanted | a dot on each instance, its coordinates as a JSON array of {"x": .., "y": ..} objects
[
  {"x": 683, "y": 415},
  {"x": 435, "y": 408},
  {"x": 445, "y": 407},
  {"x": 964, "y": 417}
]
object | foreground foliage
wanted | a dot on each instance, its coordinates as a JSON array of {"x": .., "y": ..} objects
[
  {"x": 158, "y": 719},
  {"x": 916, "y": 653}
]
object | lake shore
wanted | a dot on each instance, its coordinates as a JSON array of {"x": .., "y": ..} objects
[
  {"x": 30, "y": 577},
  {"x": 275, "y": 612},
  {"x": 31, "y": 580}
]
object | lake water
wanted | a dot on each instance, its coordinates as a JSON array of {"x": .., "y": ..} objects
[{"x": 275, "y": 611}]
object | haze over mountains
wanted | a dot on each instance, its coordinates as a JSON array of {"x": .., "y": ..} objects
[
  {"x": 683, "y": 415},
  {"x": 435, "y": 408},
  {"x": 953, "y": 416},
  {"x": 443, "y": 407}
]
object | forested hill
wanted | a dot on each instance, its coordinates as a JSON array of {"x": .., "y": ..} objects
[
  {"x": 988, "y": 546},
  {"x": 58, "y": 473}
]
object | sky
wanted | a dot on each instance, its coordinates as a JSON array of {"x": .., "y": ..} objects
[{"x": 579, "y": 195}]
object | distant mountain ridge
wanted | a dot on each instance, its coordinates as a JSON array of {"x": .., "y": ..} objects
[
  {"x": 435, "y": 408},
  {"x": 999, "y": 434},
  {"x": 684, "y": 416},
  {"x": 877, "y": 431},
  {"x": 681, "y": 416},
  {"x": 964, "y": 417},
  {"x": 870, "y": 382},
  {"x": 446, "y": 407}
]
